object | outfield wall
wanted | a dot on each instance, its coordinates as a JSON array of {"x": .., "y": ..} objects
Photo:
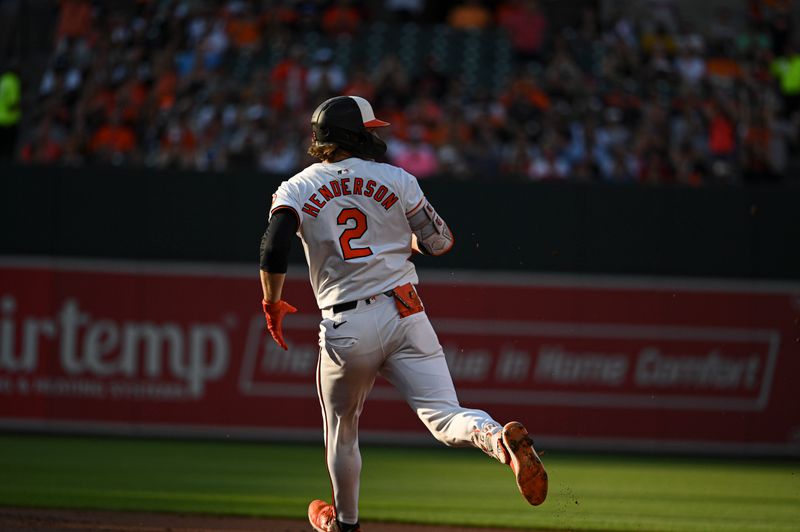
[
  {"x": 588, "y": 362},
  {"x": 499, "y": 224},
  {"x": 607, "y": 317}
]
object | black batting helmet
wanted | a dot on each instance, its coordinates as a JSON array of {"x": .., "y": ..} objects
[{"x": 344, "y": 120}]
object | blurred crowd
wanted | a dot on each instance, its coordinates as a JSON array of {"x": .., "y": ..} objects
[{"x": 638, "y": 95}]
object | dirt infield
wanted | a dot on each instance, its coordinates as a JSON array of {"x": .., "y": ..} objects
[{"x": 43, "y": 519}]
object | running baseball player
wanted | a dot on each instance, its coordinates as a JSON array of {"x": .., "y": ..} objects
[{"x": 359, "y": 222}]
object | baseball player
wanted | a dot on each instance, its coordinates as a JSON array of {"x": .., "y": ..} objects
[{"x": 359, "y": 222}]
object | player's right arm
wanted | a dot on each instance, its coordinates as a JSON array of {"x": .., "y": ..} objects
[
  {"x": 274, "y": 262},
  {"x": 274, "y": 253}
]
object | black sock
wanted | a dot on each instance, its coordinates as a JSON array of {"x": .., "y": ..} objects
[{"x": 346, "y": 527}]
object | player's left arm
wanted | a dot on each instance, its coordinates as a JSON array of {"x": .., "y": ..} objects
[
  {"x": 430, "y": 235},
  {"x": 415, "y": 245},
  {"x": 274, "y": 263}
]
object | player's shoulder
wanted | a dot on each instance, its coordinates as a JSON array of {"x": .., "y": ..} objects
[
  {"x": 309, "y": 173},
  {"x": 388, "y": 170},
  {"x": 306, "y": 178}
]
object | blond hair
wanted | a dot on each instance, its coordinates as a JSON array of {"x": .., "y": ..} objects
[{"x": 325, "y": 151}]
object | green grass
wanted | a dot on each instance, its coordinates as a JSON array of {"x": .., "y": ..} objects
[{"x": 450, "y": 486}]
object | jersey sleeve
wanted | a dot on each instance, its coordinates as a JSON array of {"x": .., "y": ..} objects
[
  {"x": 412, "y": 193},
  {"x": 286, "y": 197}
]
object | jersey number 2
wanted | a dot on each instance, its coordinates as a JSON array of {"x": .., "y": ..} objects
[{"x": 357, "y": 231}]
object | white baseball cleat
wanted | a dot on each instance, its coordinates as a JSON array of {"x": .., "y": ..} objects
[{"x": 528, "y": 469}]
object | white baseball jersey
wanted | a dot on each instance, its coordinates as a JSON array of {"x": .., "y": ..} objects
[{"x": 352, "y": 221}]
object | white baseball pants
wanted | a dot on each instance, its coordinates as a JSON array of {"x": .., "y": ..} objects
[{"x": 372, "y": 339}]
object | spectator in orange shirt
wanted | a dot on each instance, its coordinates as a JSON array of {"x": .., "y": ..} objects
[
  {"x": 113, "y": 139},
  {"x": 721, "y": 139},
  {"x": 471, "y": 15},
  {"x": 165, "y": 80},
  {"x": 244, "y": 28},
  {"x": 280, "y": 15},
  {"x": 526, "y": 89},
  {"x": 342, "y": 18},
  {"x": 288, "y": 79}
]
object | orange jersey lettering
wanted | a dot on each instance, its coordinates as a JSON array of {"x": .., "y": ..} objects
[{"x": 370, "y": 188}]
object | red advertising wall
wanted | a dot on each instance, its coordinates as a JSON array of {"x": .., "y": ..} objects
[{"x": 585, "y": 362}]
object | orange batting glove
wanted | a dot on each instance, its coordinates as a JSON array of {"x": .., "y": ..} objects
[{"x": 275, "y": 313}]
